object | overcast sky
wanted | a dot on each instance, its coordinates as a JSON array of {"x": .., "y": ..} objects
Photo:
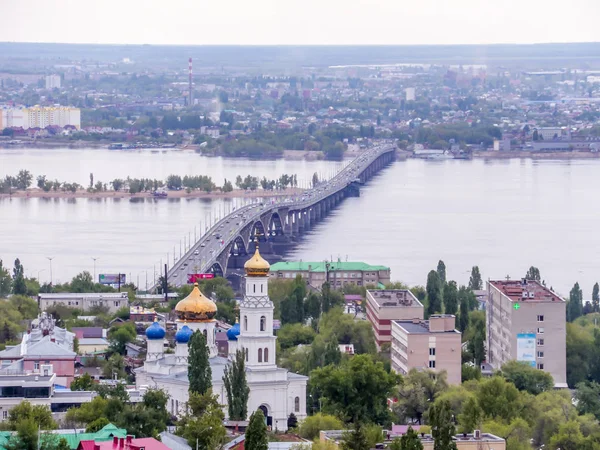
[{"x": 273, "y": 22}]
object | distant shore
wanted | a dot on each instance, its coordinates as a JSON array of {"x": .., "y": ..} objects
[
  {"x": 535, "y": 155},
  {"x": 82, "y": 193}
]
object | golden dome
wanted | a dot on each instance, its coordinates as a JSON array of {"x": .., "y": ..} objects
[
  {"x": 257, "y": 266},
  {"x": 196, "y": 307}
]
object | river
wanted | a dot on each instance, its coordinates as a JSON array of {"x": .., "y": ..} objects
[{"x": 503, "y": 215}]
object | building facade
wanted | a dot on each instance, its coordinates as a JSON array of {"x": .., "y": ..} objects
[
  {"x": 432, "y": 344},
  {"x": 40, "y": 117},
  {"x": 85, "y": 301},
  {"x": 276, "y": 391},
  {"x": 53, "y": 81},
  {"x": 527, "y": 322},
  {"x": 338, "y": 273},
  {"x": 385, "y": 306}
]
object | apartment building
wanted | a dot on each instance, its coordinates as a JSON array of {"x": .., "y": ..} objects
[
  {"x": 432, "y": 344},
  {"x": 527, "y": 322},
  {"x": 85, "y": 301},
  {"x": 40, "y": 117},
  {"x": 338, "y": 273},
  {"x": 53, "y": 81},
  {"x": 386, "y": 305}
]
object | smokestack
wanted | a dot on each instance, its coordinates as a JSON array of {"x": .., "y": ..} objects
[{"x": 191, "y": 99}]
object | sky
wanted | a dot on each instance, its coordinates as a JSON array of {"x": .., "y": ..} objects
[{"x": 298, "y": 22}]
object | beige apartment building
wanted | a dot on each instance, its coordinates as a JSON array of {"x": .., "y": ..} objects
[
  {"x": 112, "y": 301},
  {"x": 527, "y": 322},
  {"x": 386, "y": 305},
  {"x": 433, "y": 344}
]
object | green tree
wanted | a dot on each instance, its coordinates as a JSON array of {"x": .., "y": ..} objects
[
  {"x": 498, "y": 398},
  {"x": 442, "y": 426},
  {"x": 236, "y": 387},
  {"x": 595, "y": 296},
  {"x": 120, "y": 335},
  {"x": 27, "y": 306},
  {"x": 355, "y": 439},
  {"x": 475, "y": 282},
  {"x": 292, "y": 335},
  {"x": 434, "y": 293},
  {"x": 83, "y": 282},
  {"x": 410, "y": 440},
  {"x": 579, "y": 343},
  {"x": 83, "y": 383},
  {"x": 527, "y": 378},
  {"x": 418, "y": 390},
  {"x": 575, "y": 304},
  {"x": 199, "y": 372},
  {"x": 441, "y": 271},
  {"x": 227, "y": 186},
  {"x": 256, "y": 433},
  {"x": 117, "y": 184},
  {"x": 587, "y": 396},
  {"x": 533, "y": 274},
  {"x": 5, "y": 281},
  {"x": 450, "y": 298},
  {"x": 18, "y": 284},
  {"x": 114, "y": 367},
  {"x": 355, "y": 390},
  {"x": 312, "y": 306},
  {"x": 463, "y": 317},
  {"x": 312, "y": 425},
  {"x": 315, "y": 178},
  {"x": 97, "y": 425},
  {"x": 204, "y": 427},
  {"x": 471, "y": 417},
  {"x": 569, "y": 437},
  {"x": 39, "y": 414}
]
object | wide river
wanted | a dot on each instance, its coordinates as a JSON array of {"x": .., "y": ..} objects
[{"x": 503, "y": 215}]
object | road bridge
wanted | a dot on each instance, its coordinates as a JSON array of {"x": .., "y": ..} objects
[{"x": 224, "y": 247}]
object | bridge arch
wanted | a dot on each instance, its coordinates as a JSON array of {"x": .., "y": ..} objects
[
  {"x": 216, "y": 269},
  {"x": 258, "y": 228},
  {"x": 238, "y": 246},
  {"x": 275, "y": 225}
]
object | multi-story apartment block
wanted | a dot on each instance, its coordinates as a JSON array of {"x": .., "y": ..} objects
[
  {"x": 85, "y": 301},
  {"x": 432, "y": 344},
  {"x": 527, "y": 322},
  {"x": 384, "y": 306},
  {"x": 338, "y": 273},
  {"x": 53, "y": 81},
  {"x": 40, "y": 117}
]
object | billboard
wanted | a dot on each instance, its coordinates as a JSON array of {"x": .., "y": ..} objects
[
  {"x": 195, "y": 277},
  {"x": 526, "y": 348},
  {"x": 111, "y": 278}
]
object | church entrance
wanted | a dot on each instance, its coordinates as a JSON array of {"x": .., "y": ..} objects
[{"x": 265, "y": 411}]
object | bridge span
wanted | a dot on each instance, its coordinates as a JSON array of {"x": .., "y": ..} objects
[{"x": 225, "y": 246}]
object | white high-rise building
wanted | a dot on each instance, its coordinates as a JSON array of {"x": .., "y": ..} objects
[
  {"x": 53, "y": 81},
  {"x": 410, "y": 94},
  {"x": 40, "y": 117},
  {"x": 276, "y": 391}
]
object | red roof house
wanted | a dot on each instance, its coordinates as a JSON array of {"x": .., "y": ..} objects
[{"x": 126, "y": 443}]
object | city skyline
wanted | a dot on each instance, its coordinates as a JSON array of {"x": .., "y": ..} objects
[{"x": 308, "y": 23}]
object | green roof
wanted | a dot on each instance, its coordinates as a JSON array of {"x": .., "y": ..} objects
[
  {"x": 4, "y": 438},
  {"x": 319, "y": 266}
]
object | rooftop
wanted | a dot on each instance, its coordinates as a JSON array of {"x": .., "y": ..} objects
[
  {"x": 71, "y": 295},
  {"x": 393, "y": 298},
  {"x": 417, "y": 326},
  {"x": 525, "y": 291},
  {"x": 319, "y": 266}
]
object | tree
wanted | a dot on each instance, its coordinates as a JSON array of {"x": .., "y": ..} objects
[
  {"x": 575, "y": 304},
  {"x": 114, "y": 367},
  {"x": 204, "y": 427},
  {"x": 418, "y": 390},
  {"x": 410, "y": 440},
  {"x": 256, "y": 433},
  {"x": 18, "y": 285},
  {"x": 441, "y": 271},
  {"x": 463, "y": 317},
  {"x": 5, "y": 281},
  {"x": 527, "y": 378},
  {"x": 40, "y": 414},
  {"x": 450, "y": 297},
  {"x": 199, "y": 372},
  {"x": 535, "y": 135},
  {"x": 434, "y": 293},
  {"x": 475, "y": 282},
  {"x": 83, "y": 383},
  {"x": 117, "y": 184},
  {"x": 227, "y": 186},
  {"x": 595, "y": 295},
  {"x": 355, "y": 439},
  {"x": 471, "y": 416},
  {"x": 236, "y": 387},
  {"x": 312, "y": 425},
  {"x": 315, "y": 178},
  {"x": 97, "y": 425},
  {"x": 587, "y": 396},
  {"x": 442, "y": 426},
  {"x": 533, "y": 274},
  {"x": 292, "y": 335},
  {"x": 569, "y": 437},
  {"x": 355, "y": 390},
  {"x": 292, "y": 421},
  {"x": 120, "y": 335}
]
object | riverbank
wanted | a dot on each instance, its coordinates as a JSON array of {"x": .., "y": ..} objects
[
  {"x": 535, "y": 155},
  {"x": 82, "y": 193}
]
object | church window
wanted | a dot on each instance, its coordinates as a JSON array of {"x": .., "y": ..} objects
[
  {"x": 266, "y": 354},
  {"x": 297, "y": 404},
  {"x": 260, "y": 355},
  {"x": 246, "y": 355},
  {"x": 263, "y": 323},
  {"x": 245, "y": 323},
  {"x": 205, "y": 334},
  {"x": 261, "y": 288},
  {"x": 254, "y": 287}
]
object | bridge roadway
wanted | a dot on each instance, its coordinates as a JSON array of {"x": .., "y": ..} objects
[{"x": 277, "y": 219}]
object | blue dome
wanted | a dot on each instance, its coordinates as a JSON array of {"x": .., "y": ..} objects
[
  {"x": 233, "y": 332},
  {"x": 155, "y": 331},
  {"x": 183, "y": 335}
]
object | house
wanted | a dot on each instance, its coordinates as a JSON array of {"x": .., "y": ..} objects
[{"x": 124, "y": 443}]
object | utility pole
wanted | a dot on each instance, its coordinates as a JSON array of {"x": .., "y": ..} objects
[
  {"x": 50, "y": 258},
  {"x": 95, "y": 259},
  {"x": 166, "y": 286}
]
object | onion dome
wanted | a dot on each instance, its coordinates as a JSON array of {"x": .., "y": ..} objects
[
  {"x": 257, "y": 266},
  {"x": 183, "y": 335},
  {"x": 234, "y": 332},
  {"x": 155, "y": 331},
  {"x": 196, "y": 307}
]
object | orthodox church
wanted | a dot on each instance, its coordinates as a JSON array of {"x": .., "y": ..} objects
[{"x": 276, "y": 391}]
